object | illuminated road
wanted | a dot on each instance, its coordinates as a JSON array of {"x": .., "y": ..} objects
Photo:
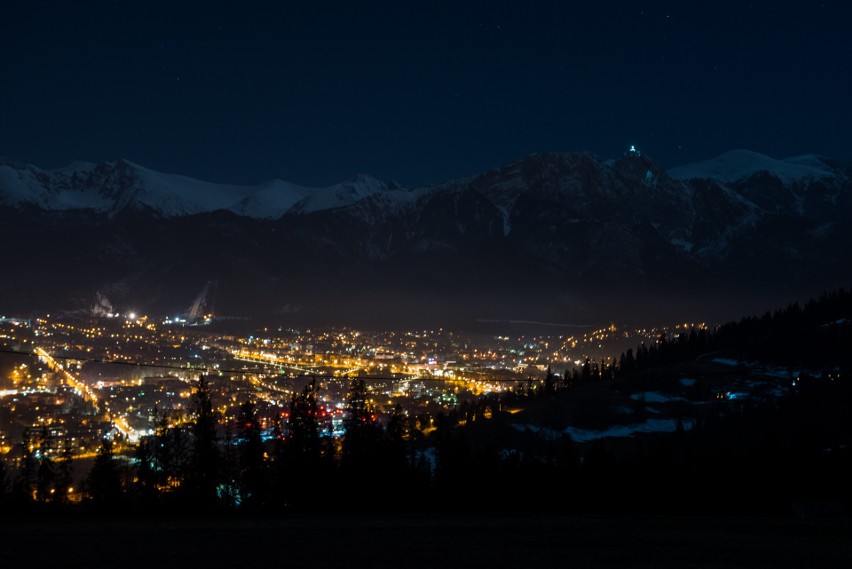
[
  {"x": 271, "y": 359},
  {"x": 88, "y": 395}
]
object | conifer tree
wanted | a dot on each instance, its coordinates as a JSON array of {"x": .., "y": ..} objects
[
  {"x": 299, "y": 455},
  {"x": 549, "y": 383},
  {"x": 204, "y": 475},
  {"x": 64, "y": 474},
  {"x": 252, "y": 468},
  {"x": 4, "y": 481},
  {"x": 303, "y": 424},
  {"x": 586, "y": 373},
  {"x": 45, "y": 480},
  {"x": 361, "y": 443},
  {"x": 104, "y": 480}
]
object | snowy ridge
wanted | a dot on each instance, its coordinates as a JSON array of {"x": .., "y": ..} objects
[
  {"x": 343, "y": 194},
  {"x": 567, "y": 227},
  {"x": 737, "y": 165},
  {"x": 580, "y": 435},
  {"x": 28, "y": 185},
  {"x": 550, "y": 202},
  {"x": 175, "y": 195},
  {"x": 269, "y": 200},
  {"x": 111, "y": 187}
]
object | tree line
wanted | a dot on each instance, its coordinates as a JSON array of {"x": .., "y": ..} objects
[{"x": 756, "y": 457}]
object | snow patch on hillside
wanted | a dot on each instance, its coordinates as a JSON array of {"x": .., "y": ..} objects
[
  {"x": 621, "y": 431},
  {"x": 655, "y": 397}
]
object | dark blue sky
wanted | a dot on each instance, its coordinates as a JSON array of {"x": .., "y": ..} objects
[{"x": 420, "y": 92}]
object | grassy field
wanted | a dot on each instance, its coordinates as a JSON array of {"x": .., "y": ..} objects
[{"x": 408, "y": 541}]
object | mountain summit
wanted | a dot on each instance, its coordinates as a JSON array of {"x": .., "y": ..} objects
[
  {"x": 556, "y": 236},
  {"x": 110, "y": 187}
]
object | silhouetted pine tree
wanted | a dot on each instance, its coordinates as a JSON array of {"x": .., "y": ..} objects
[
  {"x": 24, "y": 488},
  {"x": 299, "y": 459},
  {"x": 607, "y": 371},
  {"x": 586, "y": 372},
  {"x": 453, "y": 456},
  {"x": 230, "y": 491},
  {"x": 627, "y": 364},
  {"x": 64, "y": 475},
  {"x": 567, "y": 381},
  {"x": 362, "y": 448},
  {"x": 45, "y": 480},
  {"x": 397, "y": 433},
  {"x": 162, "y": 465},
  {"x": 104, "y": 483},
  {"x": 549, "y": 383},
  {"x": 5, "y": 486},
  {"x": 203, "y": 478},
  {"x": 252, "y": 467}
]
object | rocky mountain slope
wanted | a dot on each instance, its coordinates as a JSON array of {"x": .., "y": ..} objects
[{"x": 565, "y": 237}]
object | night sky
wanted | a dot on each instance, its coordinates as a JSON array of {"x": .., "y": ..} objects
[{"x": 419, "y": 92}]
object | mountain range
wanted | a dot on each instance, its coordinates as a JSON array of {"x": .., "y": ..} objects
[{"x": 563, "y": 238}]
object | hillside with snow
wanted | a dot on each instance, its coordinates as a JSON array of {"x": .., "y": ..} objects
[
  {"x": 738, "y": 165},
  {"x": 111, "y": 187},
  {"x": 561, "y": 235}
]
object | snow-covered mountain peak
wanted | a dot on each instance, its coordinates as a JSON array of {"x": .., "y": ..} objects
[
  {"x": 109, "y": 187},
  {"x": 576, "y": 181},
  {"x": 76, "y": 166},
  {"x": 364, "y": 180},
  {"x": 737, "y": 165}
]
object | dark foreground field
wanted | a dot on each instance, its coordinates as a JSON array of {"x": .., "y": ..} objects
[{"x": 487, "y": 541}]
